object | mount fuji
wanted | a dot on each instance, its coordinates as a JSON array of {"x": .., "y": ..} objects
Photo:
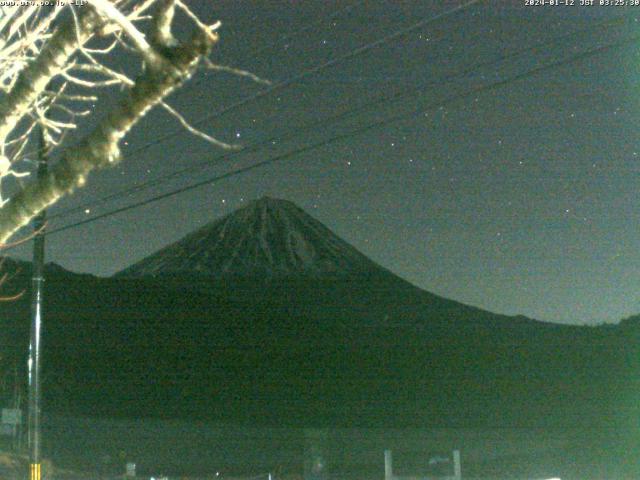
[
  {"x": 276, "y": 242},
  {"x": 268, "y": 237}
]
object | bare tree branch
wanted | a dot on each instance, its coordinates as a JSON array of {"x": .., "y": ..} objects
[
  {"x": 100, "y": 148},
  {"x": 196, "y": 132},
  {"x": 35, "y": 77},
  {"x": 140, "y": 42},
  {"x": 236, "y": 71},
  {"x": 38, "y": 61}
]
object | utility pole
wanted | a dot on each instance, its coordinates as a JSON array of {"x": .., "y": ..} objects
[
  {"x": 37, "y": 284},
  {"x": 388, "y": 465}
]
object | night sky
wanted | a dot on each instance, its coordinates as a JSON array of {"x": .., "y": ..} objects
[{"x": 519, "y": 199}]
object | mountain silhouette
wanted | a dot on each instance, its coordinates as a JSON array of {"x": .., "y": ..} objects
[
  {"x": 266, "y": 317},
  {"x": 268, "y": 237}
]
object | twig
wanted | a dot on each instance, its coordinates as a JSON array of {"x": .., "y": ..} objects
[
  {"x": 236, "y": 71},
  {"x": 197, "y": 132}
]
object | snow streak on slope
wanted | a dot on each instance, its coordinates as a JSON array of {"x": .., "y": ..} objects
[{"x": 267, "y": 237}]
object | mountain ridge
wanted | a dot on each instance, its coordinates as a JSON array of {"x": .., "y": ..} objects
[
  {"x": 275, "y": 238},
  {"x": 341, "y": 342}
]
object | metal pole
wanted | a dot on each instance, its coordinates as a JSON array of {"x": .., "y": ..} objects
[
  {"x": 457, "y": 467},
  {"x": 37, "y": 284},
  {"x": 388, "y": 465}
]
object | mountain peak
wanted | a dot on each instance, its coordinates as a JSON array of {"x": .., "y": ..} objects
[
  {"x": 272, "y": 201},
  {"x": 269, "y": 204},
  {"x": 269, "y": 236}
]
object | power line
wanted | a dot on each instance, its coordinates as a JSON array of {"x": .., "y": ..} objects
[
  {"x": 284, "y": 83},
  {"x": 355, "y": 132},
  {"x": 353, "y": 53},
  {"x": 312, "y": 71},
  {"x": 305, "y": 28},
  {"x": 292, "y": 132},
  {"x": 296, "y": 33}
]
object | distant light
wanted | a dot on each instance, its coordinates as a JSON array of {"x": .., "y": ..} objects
[{"x": 87, "y": 211}]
